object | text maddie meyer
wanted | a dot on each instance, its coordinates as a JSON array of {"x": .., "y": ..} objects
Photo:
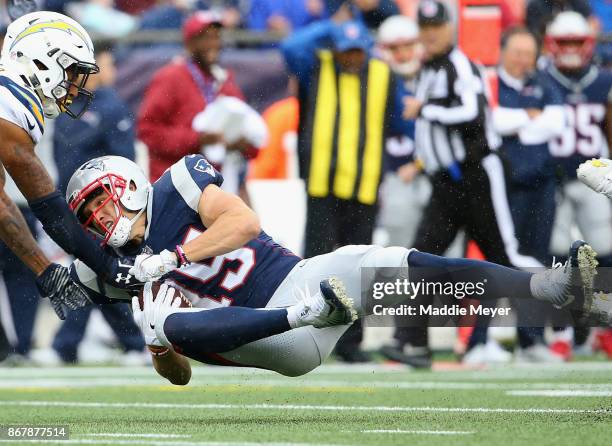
[{"x": 446, "y": 310}]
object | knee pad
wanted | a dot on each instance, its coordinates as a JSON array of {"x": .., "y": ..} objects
[
  {"x": 297, "y": 369},
  {"x": 303, "y": 360},
  {"x": 292, "y": 353}
]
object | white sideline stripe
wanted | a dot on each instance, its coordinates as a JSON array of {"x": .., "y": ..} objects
[
  {"x": 100, "y": 382},
  {"x": 118, "y": 434},
  {"x": 157, "y": 443},
  {"x": 501, "y": 209},
  {"x": 400, "y": 431},
  {"x": 12, "y": 383},
  {"x": 559, "y": 393},
  {"x": 300, "y": 407}
]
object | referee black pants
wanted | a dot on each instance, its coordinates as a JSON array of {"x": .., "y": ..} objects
[
  {"x": 479, "y": 205},
  {"x": 331, "y": 223}
]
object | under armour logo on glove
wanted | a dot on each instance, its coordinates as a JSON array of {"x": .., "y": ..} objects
[{"x": 120, "y": 278}]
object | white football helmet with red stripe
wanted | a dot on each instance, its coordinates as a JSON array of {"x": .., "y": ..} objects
[
  {"x": 399, "y": 30},
  {"x": 125, "y": 185},
  {"x": 570, "y": 41}
]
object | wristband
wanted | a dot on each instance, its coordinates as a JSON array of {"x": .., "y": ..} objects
[
  {"x": 180, "y": 255},
  {"x": 158, "y": 351}
]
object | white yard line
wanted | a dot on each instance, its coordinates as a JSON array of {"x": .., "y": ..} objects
[
  {"x": 111, "y": 441},
  {"x": 533, "y": 370},
  {"x": 76, "y": 383},
  {"x": 297, "y": 407},
  {"x": 561, "y": 393},
  {"x": 301, "y": 383},
  {"x": 120, "y": 434},
  {"x": 150, "y": 442},
  {"x": 417, "y": 432}
]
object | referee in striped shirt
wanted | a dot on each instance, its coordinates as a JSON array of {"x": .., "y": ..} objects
[{"x": 455, "y": 144}]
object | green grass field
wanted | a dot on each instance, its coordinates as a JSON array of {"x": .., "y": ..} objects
[{"x": 336, "y": 405}]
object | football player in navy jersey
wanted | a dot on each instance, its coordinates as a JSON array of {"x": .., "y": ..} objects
[
  {"x": 255, "y": 303},
  {"x": 587, "y": 93}
]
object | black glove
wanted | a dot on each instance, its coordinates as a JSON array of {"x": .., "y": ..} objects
[
  {"x": 56, "y": 284},
  {"x": 119, "y": 274}
]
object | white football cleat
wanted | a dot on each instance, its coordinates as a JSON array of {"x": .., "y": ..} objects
[
  {"x": 597, "y": 174},
  {"x": 571, "y": 282},
  {"x": 329, "y": 307}
]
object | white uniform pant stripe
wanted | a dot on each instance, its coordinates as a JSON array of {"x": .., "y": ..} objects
[{"x": 493, "y": 167}]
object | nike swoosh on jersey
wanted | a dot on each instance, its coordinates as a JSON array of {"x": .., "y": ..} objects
[{"x": 30, "y": 125}]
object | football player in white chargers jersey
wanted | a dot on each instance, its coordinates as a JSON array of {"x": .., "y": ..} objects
[
  {"x": 256, "y": 304},
  {"x": 46, "y": 60}
]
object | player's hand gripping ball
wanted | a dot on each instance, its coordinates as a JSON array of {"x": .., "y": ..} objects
[
  {"x": 153, "y": 304},
  {"x": 179, "y": 300}
]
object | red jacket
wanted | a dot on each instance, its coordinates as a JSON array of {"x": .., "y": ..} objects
[{"x": 170, "y": 103}]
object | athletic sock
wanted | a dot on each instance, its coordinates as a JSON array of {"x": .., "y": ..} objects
[{"x": 222, "y": 329}]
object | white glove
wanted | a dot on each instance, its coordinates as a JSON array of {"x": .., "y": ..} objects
[
  {"x": 155, "y": 312},
  {"x": 150, "y": 267},
  {"x": 597, "y": 174}
]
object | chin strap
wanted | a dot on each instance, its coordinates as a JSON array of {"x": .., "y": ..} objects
[
  {"x": 123, "y": 240},
  {"x": 133, "y": 220},
  {"x": 50, "y": 108}
]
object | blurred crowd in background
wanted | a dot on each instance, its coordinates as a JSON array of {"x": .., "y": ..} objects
[
  {"x": 328, "y": 95},
  {"x": 121, "y": 17}
]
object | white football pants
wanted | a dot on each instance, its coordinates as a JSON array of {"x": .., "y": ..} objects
[{"x": 299, "y": 351}]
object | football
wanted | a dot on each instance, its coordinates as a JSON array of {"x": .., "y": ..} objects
[{"x": 178, "y": 295}]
